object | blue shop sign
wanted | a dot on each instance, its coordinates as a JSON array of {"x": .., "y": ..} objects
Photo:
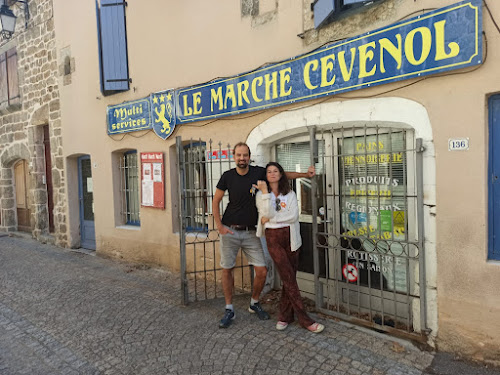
[
  {"x": 439, "y": 41},
  {"x": 129, "y": 116}
]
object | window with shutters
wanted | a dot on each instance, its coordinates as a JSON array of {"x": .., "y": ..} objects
[
  {"x": 112, "y": 41},
  {"x": 9, "y": 83}
]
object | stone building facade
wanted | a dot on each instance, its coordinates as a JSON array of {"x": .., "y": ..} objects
[
  {"x": 32, "y": 193},
  {"x": 457, "y": 295}
]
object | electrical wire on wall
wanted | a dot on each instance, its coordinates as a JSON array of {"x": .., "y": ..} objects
[
  {"x": 491, "y": 15},
  {"x": 132, "y": 135}
]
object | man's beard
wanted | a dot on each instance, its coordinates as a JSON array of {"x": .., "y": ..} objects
[{"x": 242, "y": 164}]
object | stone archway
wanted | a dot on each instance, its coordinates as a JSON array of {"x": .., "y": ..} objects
[
  {"x": 9, "y": 156},
  {"x": 399, "y": 112}
]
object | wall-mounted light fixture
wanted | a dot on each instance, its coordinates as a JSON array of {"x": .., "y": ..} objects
[{"x": 8, "y": 18}]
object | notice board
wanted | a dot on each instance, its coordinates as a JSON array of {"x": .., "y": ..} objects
[{"x": 152, "y": 180}]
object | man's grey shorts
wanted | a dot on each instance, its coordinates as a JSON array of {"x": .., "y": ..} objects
[{"x": 248, "y": 242}]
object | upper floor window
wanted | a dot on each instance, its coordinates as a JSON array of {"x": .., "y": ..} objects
[
  {"x": 9, "y": 83},
  {"x": 112, "y": 41},
  {"x": 326, "y": 10}
]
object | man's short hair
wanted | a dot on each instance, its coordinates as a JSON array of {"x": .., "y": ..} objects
[{"x": 241, "y": 144}]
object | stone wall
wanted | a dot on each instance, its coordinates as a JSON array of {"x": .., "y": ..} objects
[
  {"x": 364, "y": 19},
  {"x": 21, "y": 125}
]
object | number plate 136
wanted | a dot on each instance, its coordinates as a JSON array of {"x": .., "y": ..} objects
[{"x": 458, "y": 144}]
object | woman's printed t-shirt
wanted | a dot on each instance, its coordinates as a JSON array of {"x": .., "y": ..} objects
[{"x": 283, "y": 200}]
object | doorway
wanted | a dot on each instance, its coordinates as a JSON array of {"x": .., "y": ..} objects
[
  {"x": 21, "y": 181},
  {"x": 86, "y": 199},
  {"x": 361, "y": 214}
]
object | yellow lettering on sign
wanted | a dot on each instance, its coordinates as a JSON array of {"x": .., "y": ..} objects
[
  {"x": 440, "y": 47},
  {"x": 242, "y": 92},
  {"x": 120, "y": 113},
  {"x": 271, "y": 83},
  {"x": 395, "y": 51},
  {"x": 426, "y": 45},
  {"x": 307, "y": 75},
  {"x": 230, "y": 94},
  {"x": 327, "y": 67},
  {"x": 366, "y": 55},
  {"x": 196, "y": 102},
  {"x": 346, "y": 73},
  {"x": 216, "y": 97},
  {"x": 284, "y": 79},
  {"x": 257, "y": 81},
  {"x": 188, "y": 111}
]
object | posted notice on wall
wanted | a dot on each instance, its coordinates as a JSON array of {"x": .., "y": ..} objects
[{"x": 152, "y": 180}]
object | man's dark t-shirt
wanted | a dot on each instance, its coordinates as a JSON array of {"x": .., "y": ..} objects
[{"x": 241, "y": 209}]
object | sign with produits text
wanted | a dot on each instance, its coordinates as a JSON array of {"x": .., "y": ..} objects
[
  {"x": 373, "y": 207},
  {"x": 442, "y": 40}
]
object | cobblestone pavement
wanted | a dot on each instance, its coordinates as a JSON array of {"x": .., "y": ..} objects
[{"x": 64, "y": 312}]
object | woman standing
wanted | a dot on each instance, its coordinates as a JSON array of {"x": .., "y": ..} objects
[{"x": 279, "y": 222}]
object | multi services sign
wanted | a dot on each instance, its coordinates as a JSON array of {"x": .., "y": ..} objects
[{"x": 443, "y": 40}]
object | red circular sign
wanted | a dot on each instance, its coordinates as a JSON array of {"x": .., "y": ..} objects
[{"x": 350, "y": 272}]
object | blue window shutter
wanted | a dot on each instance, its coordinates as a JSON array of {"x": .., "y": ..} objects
[
  {"x": 113, "y": 46},
  {"x": 325, "y": 11},
  {"x": 322, "y": 10},
  {"x": 493, "y": 179},
  {"x": 99, "y": 43},
  {"x": 347, "y": 2}
]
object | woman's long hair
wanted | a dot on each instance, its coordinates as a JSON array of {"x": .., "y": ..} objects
[{"x": 283, "y": 185}]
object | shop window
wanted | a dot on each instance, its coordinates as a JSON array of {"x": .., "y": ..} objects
[
  {"x": 129, "y": 188},
  {"x": 326, "y": 11},
  {"x": 196, "y": 198},
  {"x": 366, "y": 205},
  {"x": 112, "y": 42},
  {"x": 373, "y": 201},
  {"x": 9, "y": 84}
]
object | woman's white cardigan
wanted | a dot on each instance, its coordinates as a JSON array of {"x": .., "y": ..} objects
[{"x": 288, "y": 215}]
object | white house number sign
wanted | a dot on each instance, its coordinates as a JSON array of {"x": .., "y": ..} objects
[{"x": 458, "y": 144}]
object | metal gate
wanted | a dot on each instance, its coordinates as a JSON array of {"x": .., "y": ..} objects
[
  {"x": 363, "y": 247},
  {"x": 368, "y": 248},
  {"x": 200, "y": 166}
]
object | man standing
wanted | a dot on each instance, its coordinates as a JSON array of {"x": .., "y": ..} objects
[{"x": 237, "y": 227}]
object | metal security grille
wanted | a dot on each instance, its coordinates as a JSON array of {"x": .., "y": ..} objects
[
  {"x": 361, "y": 217},
  {"x": 368, "y": 230},
  {"x": 129, "y": 188},
  {"x": 201, "y": 164}
]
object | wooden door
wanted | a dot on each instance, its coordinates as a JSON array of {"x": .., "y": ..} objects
[
  {"x": 22, "y": 205},
  {"x": 48, "y": 174}
]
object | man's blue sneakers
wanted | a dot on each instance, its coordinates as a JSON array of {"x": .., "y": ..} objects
[
  {"x": 227, "y": 319},
  {"x": 257, "y": 309}
]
